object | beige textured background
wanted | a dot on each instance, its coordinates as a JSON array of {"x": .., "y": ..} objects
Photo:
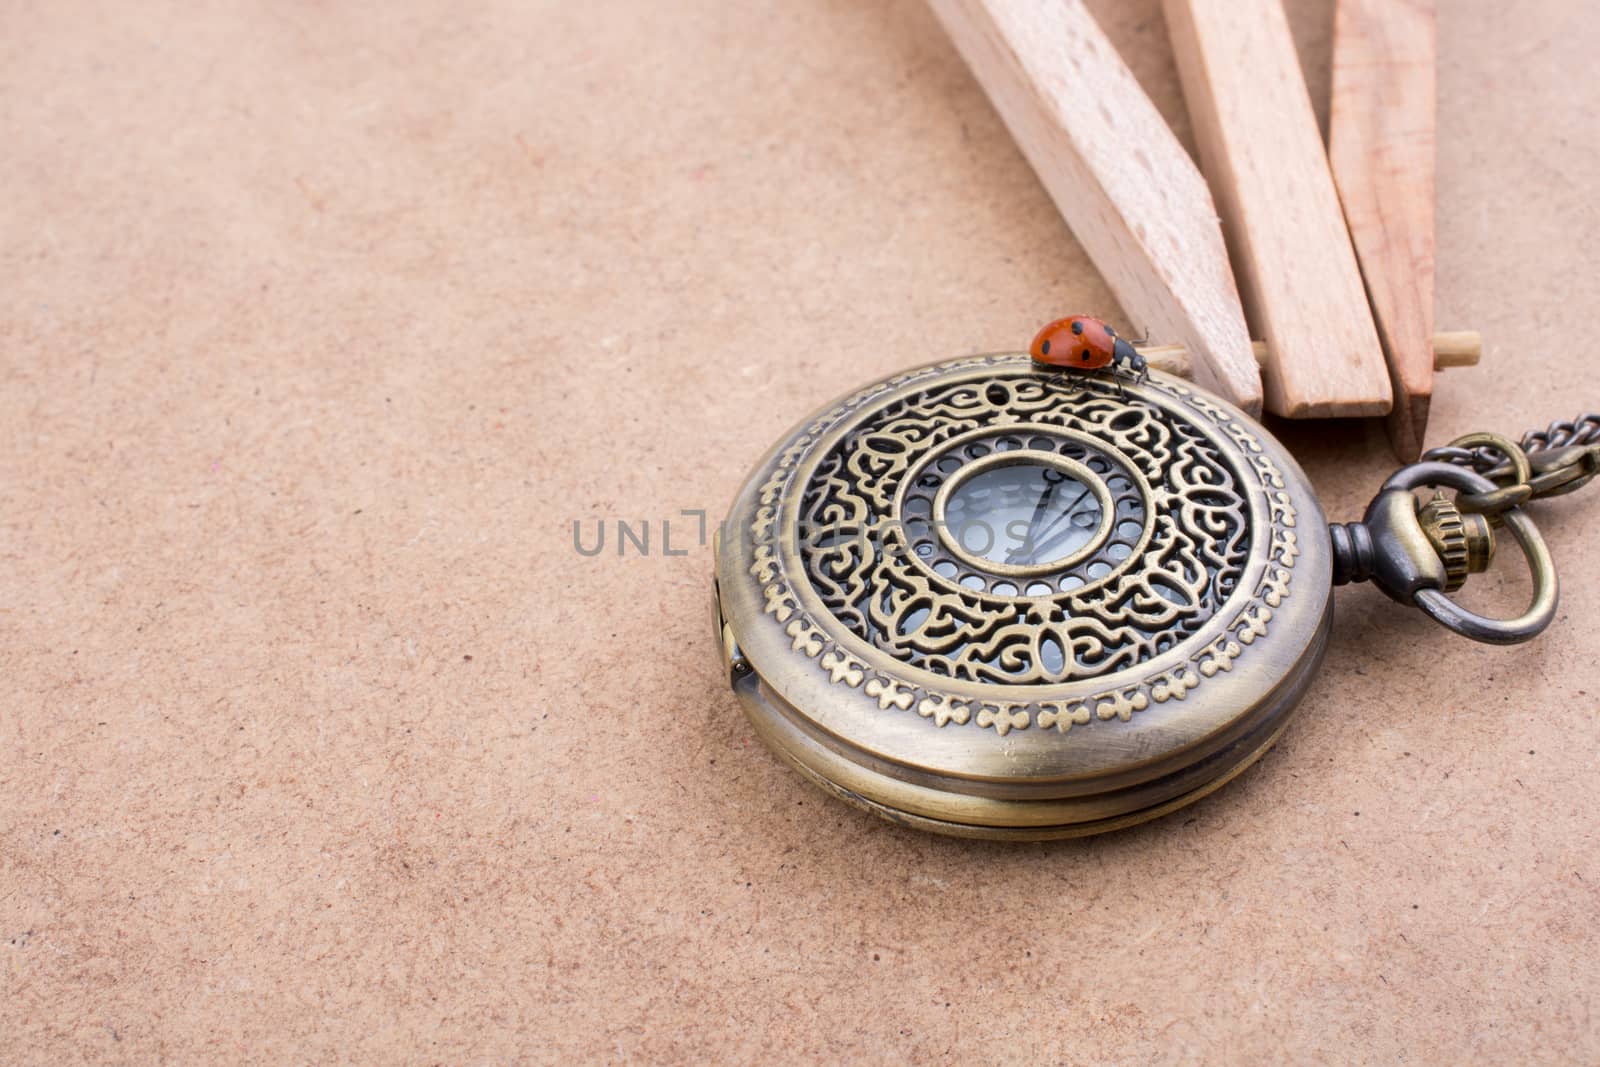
[{"x": 322, "y": 323}]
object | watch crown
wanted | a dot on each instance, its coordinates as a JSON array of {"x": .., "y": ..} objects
[{"x": 1463, "y": 540}]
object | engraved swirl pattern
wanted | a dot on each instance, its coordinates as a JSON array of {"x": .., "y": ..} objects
[
  {"x": 873, "y": 581},
  {"x": 1200, "y": 536}
]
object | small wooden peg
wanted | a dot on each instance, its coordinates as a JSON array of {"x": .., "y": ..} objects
[
  {"x": 1451, "y": 348},
  {"x": 1457, "y": 348}
]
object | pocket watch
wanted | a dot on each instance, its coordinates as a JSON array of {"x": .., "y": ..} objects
[{"x": 995, "y": 598}]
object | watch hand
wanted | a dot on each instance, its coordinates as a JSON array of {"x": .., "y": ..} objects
[
  {"x": 1066, "y": 513},
  {"x": 1033, "y": 523},
  {"x": 1064, "y": 533}
]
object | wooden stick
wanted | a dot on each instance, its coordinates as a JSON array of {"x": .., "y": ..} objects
[
  {"x": 1381, "y": 146},
  {"x": 1457, "y": 348},
  {"x": 1454, "y": 348},
  {"x": 1132, "y": 196},
  {"x": 1260, "y": 147}
]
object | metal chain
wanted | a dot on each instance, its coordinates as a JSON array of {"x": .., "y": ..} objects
[
  {"x": 1582, "y": 430},
  {"x": 1549, "y": 462}
]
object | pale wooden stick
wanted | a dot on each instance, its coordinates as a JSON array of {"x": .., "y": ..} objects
[
  {"x": 1124, "y": 184},
  {"x": 1381, "y": 147},
  {"x": 1260, "y": 147},
  {"x": 1454, "y": 348}
]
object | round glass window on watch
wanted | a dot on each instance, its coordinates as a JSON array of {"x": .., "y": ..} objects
[{"x": 1022, "y": 514}]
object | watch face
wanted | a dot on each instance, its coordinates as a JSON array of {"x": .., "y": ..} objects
[
  {"x": 1015, "y": 512},
  {"x": 1024, "y": 512}
]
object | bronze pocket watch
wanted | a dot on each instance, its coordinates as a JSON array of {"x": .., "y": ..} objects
[{"x": 992, "y": 599}]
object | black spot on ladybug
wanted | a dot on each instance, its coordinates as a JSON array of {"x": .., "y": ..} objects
[
  {"x": 1085, "y": 356},
  {"x": 1044, "y": 349},
  {"x": 1077, "y": 328}
]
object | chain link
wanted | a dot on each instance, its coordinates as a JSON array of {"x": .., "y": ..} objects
[
  {"x": 1556, "y": 460},
  {"x": 1583, "y": 430}
]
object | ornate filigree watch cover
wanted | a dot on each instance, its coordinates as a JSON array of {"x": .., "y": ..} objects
[{"x": 988, "y": 599}]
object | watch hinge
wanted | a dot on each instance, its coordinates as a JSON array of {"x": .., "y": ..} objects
[{"x": 733, "y": 660}]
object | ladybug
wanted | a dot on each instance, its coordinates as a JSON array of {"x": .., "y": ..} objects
[{"x": 1082, "y": 343}]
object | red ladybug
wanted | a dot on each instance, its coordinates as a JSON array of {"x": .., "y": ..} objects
[{"x": 1080, "y": 343}]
